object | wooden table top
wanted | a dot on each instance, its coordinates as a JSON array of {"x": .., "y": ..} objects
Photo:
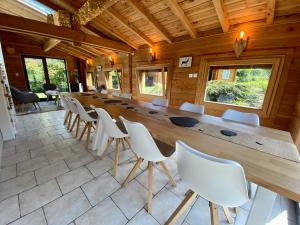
[{"x": 272, "y": 172}]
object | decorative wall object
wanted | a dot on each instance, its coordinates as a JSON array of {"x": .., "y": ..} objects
[
  {"x": 240, "y": 45},
  {"x": 185, "y": 62}
]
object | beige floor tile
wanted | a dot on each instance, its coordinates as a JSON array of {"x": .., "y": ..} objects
[
  {"x": 38, "y": 196},
  {"x": 100, "y": 188},
  {"x": 99, "y": 167},
  {"x": 35, "y": 218},
  {"x": 67, "y": 208},
  {"x": 7, "y": 173},
  {"x": 143, "y": 218},
  {"x": 79, "y": 159},
  {"x": 107, "y": 211},
  {"x": 49, "y": 172},
  {"x": 17, "y": 185},
  {"x": 131, "y": 199},
  {"x": 73, "y": 179},
  {"x": 31, "y": 165},
  {"x": 15, "y": 158},
  {"x": 9, "y": 210}
]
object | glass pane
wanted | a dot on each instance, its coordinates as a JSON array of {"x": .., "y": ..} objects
[
  {"x": 113, "y": 80},
  {"x": 36, "y": 75},
  {"x": 57, "y": 73},
  {"x": 151, "y": 82},
  {"x": 241, "y": 85}
]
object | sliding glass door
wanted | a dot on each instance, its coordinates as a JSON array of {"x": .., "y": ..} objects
[{"x": 40, "y": 71}]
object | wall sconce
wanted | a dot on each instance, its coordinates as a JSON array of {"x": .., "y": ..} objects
[
  {"x": 151, "y": 56},
  {"x": 111, "y": 60},
  {"x": 240, "y": 45},
  {"x": 89, "y": 62}
]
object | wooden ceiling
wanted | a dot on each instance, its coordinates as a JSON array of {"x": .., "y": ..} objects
[{"x": 146, "y": 22}]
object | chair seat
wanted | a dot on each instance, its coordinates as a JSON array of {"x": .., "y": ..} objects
[{"x": 165, "y": 149}]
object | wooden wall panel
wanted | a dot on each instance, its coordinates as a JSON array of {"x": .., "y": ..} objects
[{"x": 14, "y": 46}]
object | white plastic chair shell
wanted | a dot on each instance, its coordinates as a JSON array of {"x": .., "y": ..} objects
[
  {"x": 126, "y": 95},
  {"x": 105, "y": 92},
  {"x": 110, "y": 127},
  {"x": 217, "y": 180},
  {"x": 142, "y": 142},
  {"x": 72, "y": 106},
  {"x": 242, "y": 117},
  {"x": 82, "y": 113},
  {"x": 186, "y": 106},
  {"x": 160, "y": 102},
  {"x": 116, "y": 93}
]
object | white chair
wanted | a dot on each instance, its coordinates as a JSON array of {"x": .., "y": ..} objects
[
  {"x": 67, "y": 109},
  {"x": 105, "y": 92},
  {"x": 74, "y": 111},
  {"x": 145, "y": 147},
  {"x": 241, "y": 117},
  {"x": 114, "y": 133},
  {"x": 186, "y": 106},
  {"x": 126, "y": 95},
  {"x": 219, "y": 181},
  {"x": 160, "y": 102},
  {"x": 87, "y": 119},
  {"x": 116, "y": 93}
]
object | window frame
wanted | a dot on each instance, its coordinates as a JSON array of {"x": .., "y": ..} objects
[
  {"x": 107, "y": 70},
  {"x": 165, "y": 80},
  {"x": 277, "y": 62}
]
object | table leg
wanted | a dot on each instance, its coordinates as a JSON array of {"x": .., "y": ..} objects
[{"x": 261, "y": 207}]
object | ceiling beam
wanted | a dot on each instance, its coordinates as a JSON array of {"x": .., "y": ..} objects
[
  {"x": 270, "y": 11},
  {"x": 150, "y": 18},
  {"x": 28, "y": 26},
  {"x": 95, "y": 51},
  {"x": 114, "y": 14},
  {"x": 223, "y": 19},
  {"x": 76, "y": 50},
  {"x": 99, "y": 24},
  {"x": 50, "y": 43},
  {"x": 177, "y": 10},
  {"x": 64, "y": 50}
]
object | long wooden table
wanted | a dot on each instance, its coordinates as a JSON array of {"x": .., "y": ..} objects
[{"x": 271, "y": 173}]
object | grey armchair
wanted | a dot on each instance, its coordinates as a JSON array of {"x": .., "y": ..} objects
[{"x": 23, "y": 98}]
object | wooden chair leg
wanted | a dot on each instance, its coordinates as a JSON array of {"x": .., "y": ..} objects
[
  {"x": 88, "y": 136},
  {"x": 106, "y": 148},
  {"x": 214, "y": 216},
  {"x": 150, "y": 180},
  {"x": 132, "y": 172},
  {"x": 69, "y": 123},
  {"x": 77, "y": 126},
  {"x": 74, "y": 122},
  {"x": 227, "y": 215},
  {"x": 188, "y": 200},
  {"x": 167, "y": 172},
  {"x": 67, "y": 117},
  {"x": 236, "y": 210},
  {"x": 123, "y": 145},
  {"x": 83, "y": 131},
  {"x": 116, "y": 158}
]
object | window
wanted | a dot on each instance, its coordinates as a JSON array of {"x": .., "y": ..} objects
[
  {"x": 40, "y": 70},
  {"x": 240, "y": 85},
  {"x": 152, "y": 81},
  {"x": 113, "y": 79}
]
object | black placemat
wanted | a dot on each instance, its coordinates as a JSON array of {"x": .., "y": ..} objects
[
  {"x": 124, "y": 103},
  {"x": 184, "y": 121},
  {"x": 112, "y": 101},
  {"x": 129, "y": 107},
  {"x": 152, "y": 112},
  {"x": 87, "y": 94},
  {"x": 228, "y": 133}
]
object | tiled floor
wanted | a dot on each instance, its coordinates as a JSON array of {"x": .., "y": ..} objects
[{"x": 48, "y": 178}]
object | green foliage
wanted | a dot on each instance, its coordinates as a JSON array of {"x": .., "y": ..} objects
[
  {"x": 248, "y": 89},
  {"x": 57, "y": 73}
]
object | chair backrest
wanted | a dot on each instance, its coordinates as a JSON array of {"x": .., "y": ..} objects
[
  {"x": 242, "y": 117},
  {"x": 105, "y": 92},
  {"x": 192, "y": 108},
  {"x": 116, "y": 93},
  {"x": 217, "y": 180},
  {"x": 142, "y": 142},
  {"x": 160, "y": 102},
  {"x": 16, "y": 93},
  {"x": 81, "y": 111},
  {"x": 109, "y": 125},
  {"x": 71, "y": 104},
  {"x": 49, "y": 87},
  {"x": 64, "y": 102},
  {"x": 126, "y": 95}
]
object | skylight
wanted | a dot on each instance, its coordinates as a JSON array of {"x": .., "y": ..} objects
[{"x": 37, "y": 6}]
